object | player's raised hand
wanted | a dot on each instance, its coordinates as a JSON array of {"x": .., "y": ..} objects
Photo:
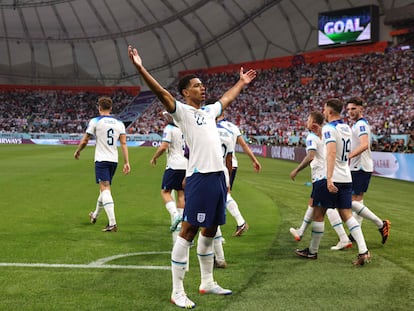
[
  {"x": 134, "y": 56},
  {"x": 247, "y": 76}
]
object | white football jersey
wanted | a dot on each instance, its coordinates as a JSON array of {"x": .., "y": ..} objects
[
  {"x": 175, "y": 152},
  {"x": 340, "y": 133},
  {"x": 364, "y": 160},
  {"x": 227, "y": 146},
  {"x": 227, "y": 142},
  {"x": 236, "y": 133},
  {"x": 318, "y": 164},
  {"x": 200, "y": 132},
  {"x": 106, "y": 130}
]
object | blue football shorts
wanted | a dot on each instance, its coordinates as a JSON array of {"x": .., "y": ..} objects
[
  {"x": 205, "y": 199},
  {"x": 323, "y": 198},
  {"x": 104, "y": 171},
  {"x": 173, "y": 179},
  {"x": 360, "y": 181}
]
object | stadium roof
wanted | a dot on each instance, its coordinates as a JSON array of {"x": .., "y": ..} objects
[{"x": 84, "y": 42}]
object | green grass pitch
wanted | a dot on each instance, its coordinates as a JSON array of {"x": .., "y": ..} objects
[{"x": 46, "y": 196}]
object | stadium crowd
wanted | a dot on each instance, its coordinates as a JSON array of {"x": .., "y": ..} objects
[
  {"x": 277, "y": 103},
  {"x": 52, "y": 111},
  {"x": 274, "y": 107}
]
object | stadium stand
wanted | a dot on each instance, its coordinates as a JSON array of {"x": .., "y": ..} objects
[
  {"x": 271, "y": 111},
  {"x": 48, "y": 110}
]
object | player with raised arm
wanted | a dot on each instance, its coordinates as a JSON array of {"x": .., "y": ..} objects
[
  {"x": 205, "y": 190},
  {"x": 107, "y": 131}
]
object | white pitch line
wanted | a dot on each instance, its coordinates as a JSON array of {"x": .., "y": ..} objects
[
  {"x": 98, "y": 264},
  {"x": 47, "y": 265},
  {"x": 107, "y": 259}
]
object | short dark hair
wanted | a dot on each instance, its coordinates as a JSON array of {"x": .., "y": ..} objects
[
  {"x": 356, "y": 101},
  {"x": 105, "y": 103},
  {"x": 336, "y": 104},
  {"x": 317, "y": 117},
  {"x": 184, "y": 81}
]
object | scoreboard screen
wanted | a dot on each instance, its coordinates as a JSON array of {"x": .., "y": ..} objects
[{"x": 349, "y": 26}]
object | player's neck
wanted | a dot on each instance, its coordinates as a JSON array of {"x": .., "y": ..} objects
[
  {"x": 334, "y": 118},
  {"x": 318, "y": 133},
  {"x": 193, "y": 103}
]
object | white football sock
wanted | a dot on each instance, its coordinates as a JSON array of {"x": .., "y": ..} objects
[
  {"x": 179, "y": 259},
  {"x": 318, "y": 228},
  {"x": 108, "y": 204},
  {"x": 361, "y": 210},
  {"x": 171, "y": 207},
  {"x": 205, "y": 256},
  {"x": 307, "y": 220},
  {"x": 233, "y": 209},
  {"x": 356, "y": 231},
  {"x": 177, "y": 231},
  {"x": 358, "y": 218},
  {"x": 218, "y": 245},
  {"x": 99, "y": 206},
  {"x": 336, "y": 223}
]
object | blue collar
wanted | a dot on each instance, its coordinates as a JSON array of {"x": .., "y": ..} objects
[{"x": 336, "y": 122}]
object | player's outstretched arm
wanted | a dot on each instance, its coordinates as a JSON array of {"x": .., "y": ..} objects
[
  {"x": 162, "y": 94},
  {"x": 231, "y": 94}
]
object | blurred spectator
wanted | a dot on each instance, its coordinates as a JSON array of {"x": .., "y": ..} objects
[{"x": 410, "y": 144}]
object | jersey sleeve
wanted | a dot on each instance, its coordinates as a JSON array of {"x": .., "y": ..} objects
[
  {"x": 176, "y": 115},
  {"x": 328, "y": 134},
  {"x": 91, "y": 129},
  {"x": 361, "y": 128},
  {"x": 166, "y": 134},
  {"x": 311, "y": 142}
]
